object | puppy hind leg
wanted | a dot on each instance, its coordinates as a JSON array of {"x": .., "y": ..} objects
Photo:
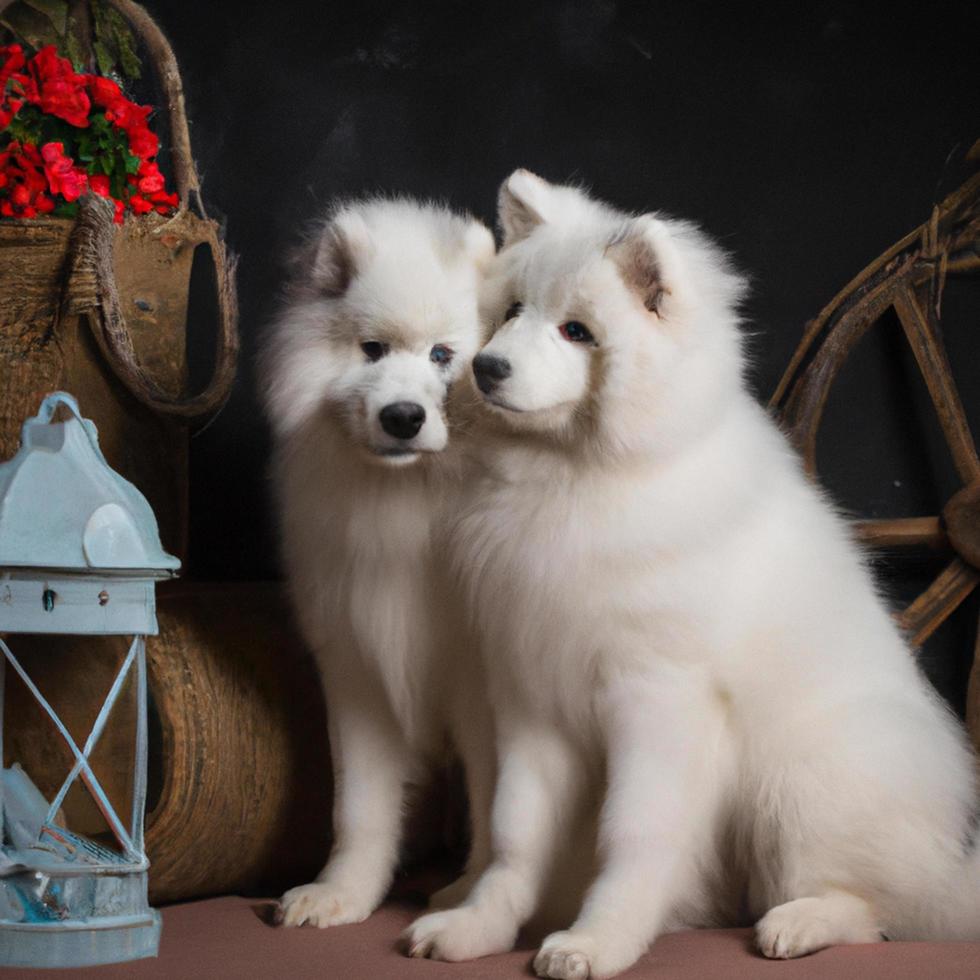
[{"x": 805, "y": 925}]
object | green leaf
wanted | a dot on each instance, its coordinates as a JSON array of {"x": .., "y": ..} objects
[
  {"x": 55, "y": 10},
  {"x": 104, "y": 44},
  {"x": 116, "y": 39},
  {"x": 26, "y": 127},
  {"x": 66, "y": 210},
  {"x": 125, "y": 44},
  {"x": 76, "y": 46},
  {"x": 132, "y": 162},
  {"x": 104, "y": 57},
  {"x": 16, "y": 130}
]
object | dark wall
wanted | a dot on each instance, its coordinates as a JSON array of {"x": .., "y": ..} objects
[{"x": 808, "y": 137}]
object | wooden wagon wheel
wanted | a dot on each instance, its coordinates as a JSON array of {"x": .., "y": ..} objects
[{"x": 908, "y": 278}]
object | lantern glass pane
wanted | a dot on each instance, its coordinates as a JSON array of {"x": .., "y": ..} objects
[
  {"x": 74, "y": 674},
  {"x": 30, "y": 739}
]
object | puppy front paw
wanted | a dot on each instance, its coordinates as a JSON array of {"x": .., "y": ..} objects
[
  {"x": 322, "y": 904},
  {"x": 805, "y": 925},
  {"x": 578, "y": 955},
  {"x": 457, "y": 934},
  {"x": 789, "y": 931},
  {"x": 563, "y": 957}
]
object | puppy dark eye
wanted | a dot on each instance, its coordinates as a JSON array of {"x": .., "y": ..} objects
[
  {"x": 374, "y": 350},
  {"x": 515, "y": 309},
  {"x": 441, "y": 354},
  {"x": 577, "y": 333}
]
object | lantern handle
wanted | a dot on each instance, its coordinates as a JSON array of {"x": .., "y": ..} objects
[
  {"x": 50, "y": 405},
  {"x": 46, "y": 412}
]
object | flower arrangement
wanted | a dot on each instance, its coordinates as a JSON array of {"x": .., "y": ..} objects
[{"x": 63, "y": 133}]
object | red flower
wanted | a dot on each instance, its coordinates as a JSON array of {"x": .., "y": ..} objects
[
  {"x": 11, "y": 60},
  {"x": 99, "y": 183},
  {"x": 33, "y": 181},
  {"x": 150, "y": 187},
  {"x": 140, "y": 205},
  {"x": 128, "y": 115},
  {"x": 150, "y": 179},
  {"x": 143, "y": 142},
  {"x": 165, "y": 203},
  {"x": 104, "y": 91},
  {"x": 64, "y": 177},
  {"x": 9, "y": 109},
  {"x": 55, "y": 87},
  {"x": 132, "y": 118},
  {"x": 24, "y": 187}
]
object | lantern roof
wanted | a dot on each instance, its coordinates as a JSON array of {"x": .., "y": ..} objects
[{"x": 63, "y": 507}]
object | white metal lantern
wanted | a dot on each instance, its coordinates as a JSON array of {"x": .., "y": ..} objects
[{"x": 80, "y": 553}]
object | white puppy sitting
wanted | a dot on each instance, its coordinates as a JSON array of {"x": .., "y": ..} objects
[
  {"x": 380, "y": 322},
  {"x": 678, "y": 625}
]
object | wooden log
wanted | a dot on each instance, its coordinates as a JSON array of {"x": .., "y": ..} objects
[
  {"x": 241, "y": 786},
  {"x": 240, "y": 795}
]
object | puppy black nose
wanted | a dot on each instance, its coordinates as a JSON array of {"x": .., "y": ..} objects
[
  {"x": 402, "y": 419},
  {"x": 490, "y": 370}
]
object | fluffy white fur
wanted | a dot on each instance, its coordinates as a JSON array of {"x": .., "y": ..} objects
[
  {"x": 681, "y": 632},
  {"x": 360, "y": 512}
]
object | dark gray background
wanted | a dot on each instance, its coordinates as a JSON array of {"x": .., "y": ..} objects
[{"x": 807, "y": 137}]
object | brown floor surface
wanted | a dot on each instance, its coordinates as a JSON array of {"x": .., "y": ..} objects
[{"x": 231, "y": 938}]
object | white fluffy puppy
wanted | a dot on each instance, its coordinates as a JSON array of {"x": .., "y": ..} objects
[
  {"x": 381, "y": 320},
  {"x": 678, "y": 624}
]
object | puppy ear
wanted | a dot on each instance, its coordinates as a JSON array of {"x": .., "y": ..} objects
[
  {"x": 520, "y": 205},
  {"x": 343, "y": 244},
  {"x": 478, "y": 244},
  {"x": 644, "y": 256}
]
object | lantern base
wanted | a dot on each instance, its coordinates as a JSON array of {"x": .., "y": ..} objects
[{"x": 86, "y": 942}]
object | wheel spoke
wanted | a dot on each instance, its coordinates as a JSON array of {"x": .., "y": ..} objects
[
  {"x": 902, "y": 532},
  {"x": 927, "y": 613},
  {"x": 924, "y": 337}
]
